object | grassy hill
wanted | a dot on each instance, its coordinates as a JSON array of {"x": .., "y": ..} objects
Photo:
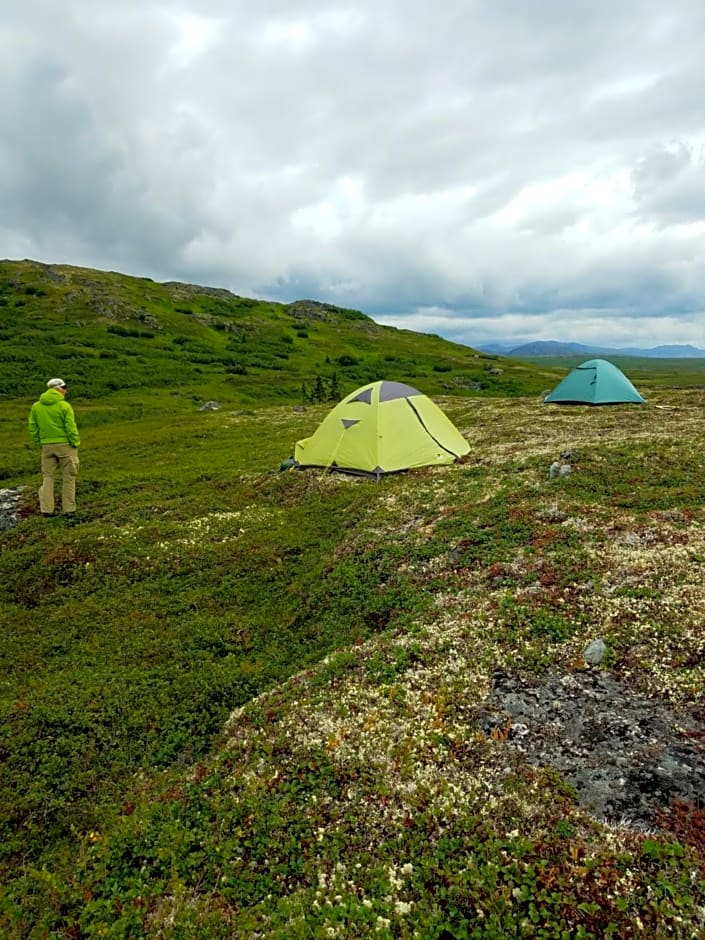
[
  {"x": 243, "y": 703},
  {"x": 106, "y": 332}
]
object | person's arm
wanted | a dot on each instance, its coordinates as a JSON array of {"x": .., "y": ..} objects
[
  {"x": 33, "y": 427},
  {"x": 71, "y": 428}
]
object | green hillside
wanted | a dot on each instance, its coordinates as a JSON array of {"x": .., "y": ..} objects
[
  {"x": 243, "y": 703},
  {"x": 107, "y": 332}
]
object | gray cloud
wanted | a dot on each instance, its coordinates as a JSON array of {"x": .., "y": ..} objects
[{"x": 478, "y": 166}]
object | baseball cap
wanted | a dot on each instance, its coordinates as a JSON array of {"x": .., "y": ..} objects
[{"x": 56, "y": 383}]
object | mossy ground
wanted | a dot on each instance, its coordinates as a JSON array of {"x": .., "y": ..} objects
[{"x": 242, "y": 703}]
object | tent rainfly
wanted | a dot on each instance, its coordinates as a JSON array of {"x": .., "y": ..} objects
[
  {"x": 382, "y": 428},
  {"x": 595, "y": 382}
]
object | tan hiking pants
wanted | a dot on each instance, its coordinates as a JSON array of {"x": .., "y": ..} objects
[{"x": 55, "y": 457}]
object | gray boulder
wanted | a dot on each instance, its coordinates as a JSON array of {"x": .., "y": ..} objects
[{"x": 595, "y": 652}]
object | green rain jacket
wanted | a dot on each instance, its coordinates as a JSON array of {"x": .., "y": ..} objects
[{"x": 51, "y": 420}]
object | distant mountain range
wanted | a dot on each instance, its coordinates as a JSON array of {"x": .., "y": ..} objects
[{"x": 553, "y": 348}]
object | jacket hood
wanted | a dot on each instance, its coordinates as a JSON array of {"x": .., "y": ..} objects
[{"x": 51, "y": 397}]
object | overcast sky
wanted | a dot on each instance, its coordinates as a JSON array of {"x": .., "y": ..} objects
[{"x": 482, "y": 169}]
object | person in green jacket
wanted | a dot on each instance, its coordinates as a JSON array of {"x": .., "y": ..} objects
[{"x": 52, "y": 426}]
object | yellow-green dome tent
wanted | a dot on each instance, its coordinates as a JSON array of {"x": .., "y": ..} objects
[{"x": 382, "y": 428}]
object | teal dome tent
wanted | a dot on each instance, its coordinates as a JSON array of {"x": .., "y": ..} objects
[{"x": 595, "y": 382}]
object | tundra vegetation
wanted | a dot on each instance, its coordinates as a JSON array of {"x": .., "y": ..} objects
[{"x": 238, "y": 702}]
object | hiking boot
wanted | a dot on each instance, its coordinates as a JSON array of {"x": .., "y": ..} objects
[{"x": 48, "y": 515}]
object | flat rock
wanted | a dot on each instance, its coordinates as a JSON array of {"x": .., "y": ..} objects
[{"x": 627, "y": 756}]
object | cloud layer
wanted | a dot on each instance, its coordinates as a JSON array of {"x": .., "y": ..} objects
[{"x": 480, "y": 170}]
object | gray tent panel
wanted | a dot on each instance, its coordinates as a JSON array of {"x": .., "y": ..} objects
[
  {"x": 349, "y": 422},
  {"x": 364, "y": 396},
  {"x": 388, "y": 391}
]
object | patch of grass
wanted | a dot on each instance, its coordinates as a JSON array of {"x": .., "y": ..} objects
[{"x": 242, "y": 702}]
